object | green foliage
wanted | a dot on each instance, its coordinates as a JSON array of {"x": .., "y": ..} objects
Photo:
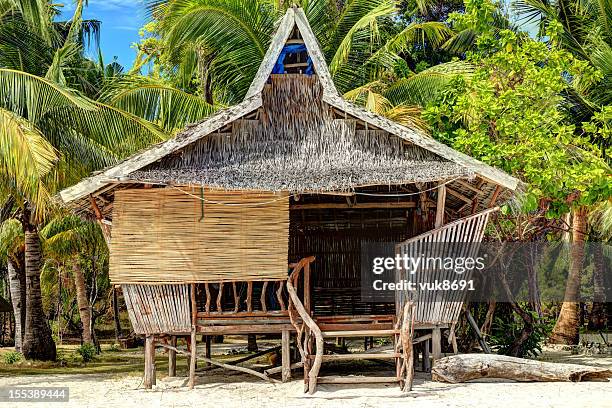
[
  {"x": 87, "y": 351},
  {"x": 12, "y": 357},
  {"x": 504, "y": 332},
  {"x": 114, "y": 347},
  {"x": 508, "y": 114}
]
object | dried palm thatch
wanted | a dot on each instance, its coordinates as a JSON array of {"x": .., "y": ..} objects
[
  {"x": 297, "y": 143},
  {"x": 167, "y": 235}
]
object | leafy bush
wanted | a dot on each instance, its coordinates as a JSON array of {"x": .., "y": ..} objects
[
  {"x": 87, "y": 351},
  {"x": 505, "y": 331},
  {"x": 12, "y": 357},
  {"x": 114, "y": 347}
]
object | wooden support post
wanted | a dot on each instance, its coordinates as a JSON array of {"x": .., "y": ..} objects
[
  {"x": 172, "y": 358},
  {"x": 426, "y": 362},
  {"x": 440, "y": 206},
  {"x": 436, "y": 343},
  {"x": 192, "y": 359},
  {"x": 149, "y": 362},
  {"x": 194, "y": 321},
  {"x": 207, "y": 352},
  {"x": 286, "y": 356}
]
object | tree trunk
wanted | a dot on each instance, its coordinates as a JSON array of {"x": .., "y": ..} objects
[
  {"x": 82, "y": 301},
  {"x": 116, "y": 315},
  {"x": 37, "y": 343},
  {"x": 466, "y": 367},
  {"x": 597, "y": 320},
  {"x": 566, "y": 328},
  {"x": 17, "y": 286}
]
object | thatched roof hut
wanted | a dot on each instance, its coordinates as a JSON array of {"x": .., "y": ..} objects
[{"x": 206, "y": 225}]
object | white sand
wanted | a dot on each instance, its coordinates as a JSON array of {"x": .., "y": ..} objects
[{"x": 223, "y": 390}]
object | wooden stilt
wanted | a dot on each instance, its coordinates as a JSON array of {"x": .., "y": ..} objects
[
  {"x": 286, "y": 356},
  {"x": 207, "y": 352},
  {"x": 436, "y": 344},
  {"x": 172, "y": 358},
  {"x": 426, "y": 362},
  {"x": 192, "y": 359},
  {"x": 194, "y": 348},
  {"x": 149, "y": 366}
]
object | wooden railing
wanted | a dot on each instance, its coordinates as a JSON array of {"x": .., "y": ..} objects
[
  {"x": 217, "y": 300},
  {"x": 460, "y": 237},
  {"x": 308, "y": 334}
]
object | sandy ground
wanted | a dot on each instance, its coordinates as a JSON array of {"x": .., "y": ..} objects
[{"x": 219, "y": 389}]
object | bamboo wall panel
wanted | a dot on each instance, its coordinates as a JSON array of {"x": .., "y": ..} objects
[
  {"x": 158, "y": 308},
  {"x": 160, "y": 236}
]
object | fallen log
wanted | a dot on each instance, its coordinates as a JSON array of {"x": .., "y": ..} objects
[{"x": 466, "y": 367}]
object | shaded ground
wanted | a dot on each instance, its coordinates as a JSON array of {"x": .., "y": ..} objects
[{"x": 115, "y": 379}]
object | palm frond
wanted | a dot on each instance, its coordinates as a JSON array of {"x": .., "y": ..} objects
[
  {"x": 157, "y": 102},
  {"x": 25, "y": 155},
  {"x": 367, "y": 23},
  {"x": 11, "y": 238},
  {"x": 424, "y": 87}
]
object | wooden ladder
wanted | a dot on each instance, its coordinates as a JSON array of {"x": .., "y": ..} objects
[{"x": 310, "y": 341}]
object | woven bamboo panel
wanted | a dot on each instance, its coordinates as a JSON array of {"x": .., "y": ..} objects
[
  {"x": 158, "y": 308},
  {"x": 160, "y": 236}
]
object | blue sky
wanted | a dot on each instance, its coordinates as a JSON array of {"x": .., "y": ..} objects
[{"x": 121, "y": 20}]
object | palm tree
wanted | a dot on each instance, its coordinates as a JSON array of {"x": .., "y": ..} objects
[
  {"x": 11, "y": 253},
  {"x": 65, "y": 238},
  {"x": 584, "y": 29},
  {"x": 51, "y": 135}
]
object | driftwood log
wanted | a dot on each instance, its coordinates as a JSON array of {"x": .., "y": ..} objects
[{"x": 466, "y": 367}]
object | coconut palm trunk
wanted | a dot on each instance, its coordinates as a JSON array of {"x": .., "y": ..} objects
[
  {"x": 82, "y": 301},
  {"x": 37, "y": 342},
  {"x": 17, "y": 287},
  {"x": 566, "y": 328}
]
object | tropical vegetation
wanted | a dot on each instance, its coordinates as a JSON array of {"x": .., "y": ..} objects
[{"x": 538, "y": 106}]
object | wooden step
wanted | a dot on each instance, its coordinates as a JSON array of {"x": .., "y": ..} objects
[
  {"x": 357, "y": 356},
  {"x": 339, "y": 379},
  {"x": 360, "y": 333}
]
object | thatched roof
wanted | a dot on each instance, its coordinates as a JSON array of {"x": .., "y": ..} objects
[
  {"x": 297, "y": 144},
  {"x": 294, "y": 132}
]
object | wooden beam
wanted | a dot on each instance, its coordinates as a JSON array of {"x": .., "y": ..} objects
[
  {"x": 441, "y": 200},
  {"x": 494, "y": 196},
  {"x": 459, "y": 195},
  {"x": 469, "y": 186},
  {"x": 238, "y": 368},
  {"x": 245, "y": 328},
  {"x": 341, "y": 206},
  {"x": 279, "y": 369}
]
